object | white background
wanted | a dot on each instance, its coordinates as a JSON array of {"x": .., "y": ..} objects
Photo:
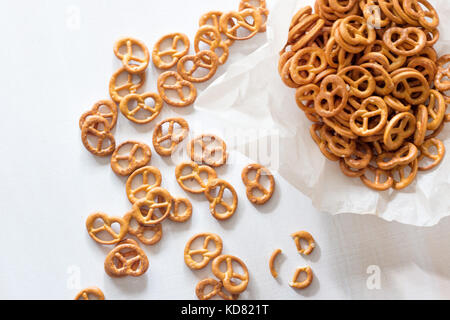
[{"x": 54, "y": 69}]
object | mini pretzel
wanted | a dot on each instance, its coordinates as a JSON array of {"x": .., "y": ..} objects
[
  {"x": 306, "y": 64},
  {"x": 404, "y": 156},
  {"x": 132, "y": 162},
  {"x": 202, "y": 149},
  {"x": 140, "y": 230},
  {"x": 129, "y": 59},
  {"x": 355, "y": 31},
  {"x": 240, "y": 17},
  {"x": 210, "y": 36},
  {"x": 304, "y": 284},
  {"x": 405, "y": 41},
  {"x": 175, "y": 139},
  {"x": 305, "y": 97},
  {"x": 411, "y": 86},
  {"x": 305, "y": 236},
  {"x": 91, "y": 128},
  {"x": 360, "y": 157},
  {"x": 415, "y": 11},
  {"x": 378, "y": 183},
  {"x": 216, "y": 200},
  {"x": 177, "y": 216},
  {"x": 194, "y": 176},
  {"x": 227, "y": 276},
  {"x": 111, "y": 114},
  {"x": 173, "y": 52},
  {"x": 199, "y": 61},
  {"x": 145, "y": 186},
  {"x": 421, "y": 125},
  {"x": 156, "y": 199},
  {"x": 126, "y": 259},
  {"x": 443, "y": 72},
  {"x": 94, "y": 291},
  {"x": 178, "y": 87},
  {"x": 399, "y": 128},
  {"x": 204, "y": 252},
  {"x": 256, "y": 184},
  {"x": 129, "y": 85},
  {"x": 152, "y": 112},
  {"x": 212, "y": 18},
  {"x": 372, "y": 107},
  {"x": 349, "y": 171},
  {"x": 383, "y": 82},
  {"x": 274, "y": 255},
  {"x": 261, "y": 7},
  {"x": 332, "y": 97},
  {"x": 200, "y": 288},
  {"x": 395, "y": 60},
  {"x": 361, "y": 82},
  {"x": 436, "y": 110},
  {"x": 405, "y": 179},
  {"x": 425, "y": 152},
  {"x": 106, "y": 227}
]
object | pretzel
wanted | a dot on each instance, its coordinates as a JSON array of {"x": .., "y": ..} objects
[
  {"x": 304, "y": 32},
  {"x": 349, "y": 171},
  {"x": 402, "y": 157},
  {"x": 415, "y": 11},
  {"x": 332, "y": 96},
  {"x": 305, "y": 283},
  {"x": 194, "y": 176},
  {"x": 305, "y": 236},
  {"x": 144, "y": 210},
  {"x": 411, "y": 86},
  {"x": 240, "y": 17},
  {"x": 377, "y": 183},
  {"x": 129, "y": 85},
  {"x": 421, "y": 125},
  {"x": 305, "y": 97},
  {"x": 93, "y": 291},
  {"x": 126, "y": 259},
  {"x": 178, "y": 87},
  {"x": 383, "y": 81},
  {"x": 91, "y": 127},
  {"x": 261, "y": 7},
  {"x": 227, "y": 276},
  {"x": 355, "y": 31},
  {"x": 200, "y": 288},
  {"x": 256, "y": 184},
  {"x": 177, "y": 216},
  {"x": 399, "y": 128},
  {"x": 308, "y": 61},
  {"x": 405, "y": 41},
  {"x": 425, "y": 152},
  {"x": 443, "y": 71},
  {"x": 106, "y": 227},
  {"x": 425, "y": 66},
  {"x": 132, "y": 162},
  {"x": 199, "y": 62},
  {"x": 360, "y": 157},
  {"x": 215, "y": 200},
  {"x": 338, "y": 145},
  {"x": 405, "y": 179},
  {"x": 129, "y": 59},
  {"x": 212, "y": 18},
  {"x": 300, "y": 15},
  {"x": 152, "y": 112},
  {"x": 174, "y": 138},
  {"x": 210, "y": 36},
  {"x": 140, "y": 233},
  {"x": 436, "y": 110},
  {"x": 204, "y": 252},
  {"x": 145, "y": 187},
  {"x": 395, "y": 60},
  {"x": 274, "y": 255},
  {"x": 361, "y": 82},
  {"x": 173, "y": 52},
  {"x": 203, "y": 149},
  {"x": 110, "y": 115},
  {"x": 372, "y": 107}
]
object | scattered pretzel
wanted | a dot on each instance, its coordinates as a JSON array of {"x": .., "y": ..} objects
[
  {"x": 204, "y": 252},
  {"x": 91, "y": 291},
  {"x": 305, "y": 236},
  {"x": 175, "y": 214},
  {"x": 218, "y": 200},
  {"x": 144, "y": 210},
  {"x": 178, "y": 86},
  {"x": 227, "y": 276},
  {"x": 274, "y": 255},
  {"x": 304, "y": 284},
  {"x": 174, "y": 139},
  {"x": 173, "y": 53},
  {"x": 96, "y": 111},
  {"x": 194, "y": 176},
  {"x": 199, "y": 63},
  {"x": 107, "y": 221},
  {"x": 151, "y": 111},
  {"x": 205, "y": 148},
  {"x": 126, "y": 259},
  {"x": 91, "y": 127},
  {"x": 131, "y": 158},
  {"x": 129, "y": 59},
  {"x": 129, "y": 86},
  {"x": 140, "y": 233},
  {"x": 145, "y": 187},
  {"x": 251, "y": 185}
]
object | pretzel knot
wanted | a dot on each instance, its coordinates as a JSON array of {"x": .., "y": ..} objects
[
  {"x": 129, "y": 59},
  {"x": 203, "y": 60},
  {"x": 218, "y": 200},
  {"x": 172, "y": 52},
  {"x": 178, "y": 86},
  {"x": 91, "y": 291},
  {"x": 208, "y": 149},
  {"x": 106, "y": 226},
  {"x": 131, "y": 158},
  {"x": 230, "y": 30},
  {"x": 228, "y": 276},
  {"x": 206, "y": 254},
  {"x": 194, "y": 175},
  {"x": 151, "y": 112},
  {"x": 126, "y": 259},
  {"x": 129, "y": 85},
  {"x": 251, "y": 185},
  {"x": 91, "y": 127},
  {"x": 144, "y": 210},
  {"x": 143, "y": 175},
  {"x": 174, "y": 138}
]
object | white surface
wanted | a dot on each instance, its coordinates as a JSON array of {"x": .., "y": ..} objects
[{"x": 50, "y": 183}]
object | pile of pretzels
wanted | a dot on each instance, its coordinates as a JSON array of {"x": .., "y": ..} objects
[{"x": 367, "y": 76}]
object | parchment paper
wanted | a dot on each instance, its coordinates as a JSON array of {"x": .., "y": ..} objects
[{"x": 250, "y": 94}]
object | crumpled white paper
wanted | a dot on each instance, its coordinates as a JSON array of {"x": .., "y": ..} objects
[{"x": 250, "y": 94}]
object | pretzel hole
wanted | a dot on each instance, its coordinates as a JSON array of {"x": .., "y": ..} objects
[
  {"x": 181, "y": 209},
  {"x": 116, "y": 227},
  {"x": 104, "y": 236},
  {"x": 227, "y": 196},
  {"x": 98, "y": 223},
  {"x": 133, "y": 224},
  {"x": 257, "y": 193},
  {"x": 149, "y": 233},
  {"x": 92, "y": 296},
  {"x": 207, "y": 289}
]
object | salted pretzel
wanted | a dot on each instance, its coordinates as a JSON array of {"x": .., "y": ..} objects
[
  {"x": 132, "y": 63},
  {"x": 443, "y": 72},
  {"x": 251, "y": 185},
  {"x": 421, "y": 125},
  {"x": 426, "y": 152},
  {"x": 399, "y": 128},
  {"x": 216, "y": 200},
  {"x": 332, "y": 96},
  {"x": 173, "y": 52},
  {"x": 305, "y": 97},
  {"x": 107, "y": 222},
  {"x": 200, "y": 288},
  {"x": 208, "y": 149},
  {"x": 306, "y": 64},
  {"x": 126, "y": 259},
  {"x": 304, "y": 32},
  {"x": 297, "y": 236},
  {"x": 355, "y": 31},
  {"x": 194, "y": 175},
  {"x": 378, "y": 183},
  {"x": 156, "y": 199},
  {"x": 178, "y": 86},
  {"x": 204, "y": 252},
  {"x": 98, "y": 127},
  {"x": 305, "y": 283},
  {"x": 360, "y": 157},
  {"x": 361, "y": 82},
  {"x": 206, "y": 60},
  {"x": 140, "y": 233},
  {"x": 372, "y": 107},
  {"x": 384, "y": 84},
  {"x": 96, "y": 110},
  {"x": 405, "y": 177},
  {"x": 405, "y": 41},
  {"x": 411, "y": 86},
  {"x": 173, "y": 138},
  {"x": 212, "y": 18},
  {"x": 240, "y": 18},
  {"x": 151, "y": 111},
  {"x": 436, "y": 110},
  {"x": 395, "y": 60},
  {"x": 272, "y": 258},
  {"x": 403, "y": 156},
  {"x": 129, "y": 86},
  {"x": 90, "y": 292},
  {"x": 426, "y": 15},
  {"x": 131, "y": 158},
  {"x": 210, "y": 36},
  {"x": 145, "y": 186},
  {"x": 350, "y": 171},
  {"x": 228, "y": 276}
]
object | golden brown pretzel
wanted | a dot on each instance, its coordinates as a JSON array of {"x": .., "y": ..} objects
[
  {"x": 240, "y": 17},
  {"x": 126, "y": 259},
  {"x": 130, "y": 85},
  {"x": 410, "y": 85},
  {"x": 205, "y": 148},
  {"x": 261, "y": 7},
  {"x": 403, "y": 156},
  {"x": 361, "y": 156},
  {"x": 200, "y": 288},
  {"x": 305, "y": 96},
  {"x": 93, "y": 291},
  {"x": 332, "y": 97},
  {"x": 98, "y": 127},
  {"x": 107, "y": 221},
  {"x": 195, "y": 175},
  {"x": 421, "y": 125},
  {"x": 361, "y": 82},
  {"x": 405, "y": 178},
  {"x": 218, "y": 199},
  {"x": 205, "y": 59},
  {"x": 174, "y": 138},
  {"x": 378, "y": 184},
  {"x": 372, "y": 107},
  {"x": 227, "y": 276},
  {"x": 443, "y": 72},
  {"x": 212, "y": 18},
  {"x": 355, "y": 31},
  {"x": 178, "y": 86},
  {"x": 145, "y": 187},
  {"x": 395, "y": 60},
  {"x": 132, "y": 162},
  {"x": 151, "y": 111},
  {"x": 256, "y": 184},
  {"x": 428, "y": 18},
  {"x": 306, "y": 64},
  {"x": 425, "y": 152},
  {"x": 173, "y": 52},
  {"x": 436, "y": 110},
  {"x": 305, "y": 283},
  {"x": 305, "y": 236},
  {"x": 204, "y": 252},
  {"x": 405, "y": 41},
  {"x": 175, "y": 214},
  {"x": 96, "y": 110},
  {"x": 144, "y": 210},
  {"x": 140, "y": 233},
  {"x": 210, "y": 36},
  {"x": 129, "y": 59},
  {"x": 399, "y": 128}
]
